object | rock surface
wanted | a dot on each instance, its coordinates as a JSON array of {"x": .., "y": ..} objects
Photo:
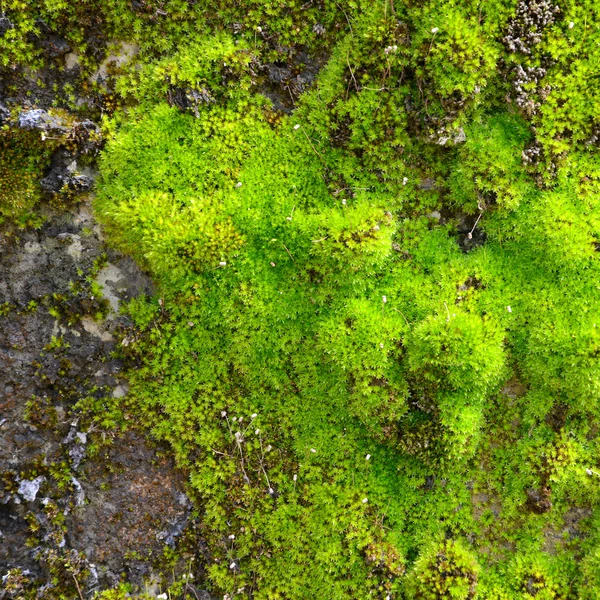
[{"x": 108, "y": 516}]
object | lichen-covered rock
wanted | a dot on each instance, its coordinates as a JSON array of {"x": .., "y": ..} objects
[{"x": 41, "y": 120}]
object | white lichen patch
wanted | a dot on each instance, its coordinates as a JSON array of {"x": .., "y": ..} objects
[
  {"x": 28, "y": 488},
  {"x": 122, "y": 55},
  {"x": 109, "y": 278},
  {"x": 95, "y": 329}
]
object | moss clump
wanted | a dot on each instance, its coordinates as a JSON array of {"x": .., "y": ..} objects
[
  {"x": 23, "y": 158},
  {"x": 446, "y": 570}
]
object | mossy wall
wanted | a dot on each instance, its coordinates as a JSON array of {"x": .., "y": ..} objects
[{"x": 375, "y": 346}]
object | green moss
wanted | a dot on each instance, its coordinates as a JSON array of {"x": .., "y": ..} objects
[
  {"x": 446, "y": 570},
  {"x": 343, "y": 292}
]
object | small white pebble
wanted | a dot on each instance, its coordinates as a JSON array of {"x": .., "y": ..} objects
[{"x": 297, "y": 126}]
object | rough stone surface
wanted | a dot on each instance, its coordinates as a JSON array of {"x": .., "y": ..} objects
[
  {"x": 41, "y": 120},
  {"x": 120, "y": 508},
  {"x": 132, "y": 508}
]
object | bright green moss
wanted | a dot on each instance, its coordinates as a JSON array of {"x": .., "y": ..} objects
[{"x": 345, "y": 291}]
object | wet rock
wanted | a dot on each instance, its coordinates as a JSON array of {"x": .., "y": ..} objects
[
  {"x": 278, "y": 72},
  {"x": 55, "y": 46},
  {"x": 471, "y": 235},
  {"x": 87, "y": 136},
  {"x": 14, "y": 552},
  {"x": 60, "y": 179}
]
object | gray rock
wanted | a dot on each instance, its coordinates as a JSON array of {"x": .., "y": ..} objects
[
  {"x": 5, "y": 25},
  {"x": 61, "y": 177},
  {"x": 42, "y": 121},
  {"x": 4, "y": 114},
  {"x": 55, "y": 46}
]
